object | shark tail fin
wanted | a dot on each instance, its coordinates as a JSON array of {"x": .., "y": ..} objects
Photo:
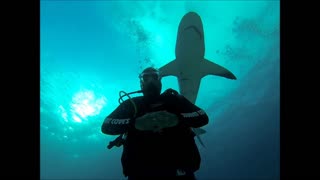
[
  {"x": 210, "y": 68},
  {"x": 200, "y": 141},
  {"x": 198, "y": 132}
]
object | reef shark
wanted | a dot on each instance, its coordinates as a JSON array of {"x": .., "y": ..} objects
[{"x": 190, "y": 65}]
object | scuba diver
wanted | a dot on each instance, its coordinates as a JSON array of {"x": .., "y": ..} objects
[{"x": 155, "y": 131}]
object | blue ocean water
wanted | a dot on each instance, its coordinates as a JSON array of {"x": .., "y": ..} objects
[{"x": 91, "y": 50}]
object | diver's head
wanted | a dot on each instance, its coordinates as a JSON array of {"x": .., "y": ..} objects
[{"x": 150, "y": 82}]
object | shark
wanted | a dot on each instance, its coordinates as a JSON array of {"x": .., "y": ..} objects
[{"x": 190, "y": 64}]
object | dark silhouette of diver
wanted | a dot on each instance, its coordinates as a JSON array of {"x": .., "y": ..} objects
[{"x": 155, "y": 131}]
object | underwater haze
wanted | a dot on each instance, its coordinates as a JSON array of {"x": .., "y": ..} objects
[{"x": 91, "y": 50}]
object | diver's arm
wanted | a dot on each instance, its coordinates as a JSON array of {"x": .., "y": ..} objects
[
  {"x": 190, "y": 114},
  {"x": 118, "y": 121}
]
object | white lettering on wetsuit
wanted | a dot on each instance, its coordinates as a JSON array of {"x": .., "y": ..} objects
[
  {"x": 193, "y": 114},
  {"x": 117, "y": 121}
]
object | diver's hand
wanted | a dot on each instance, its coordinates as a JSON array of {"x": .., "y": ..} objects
[
  {"x": 155, "y": 121},
  {"x": 158, "y": 115}
]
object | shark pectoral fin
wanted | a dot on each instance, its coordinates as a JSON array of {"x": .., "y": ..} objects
[
  {"x": 170, "y": 69},
  {"x": 211, "y": 68}
]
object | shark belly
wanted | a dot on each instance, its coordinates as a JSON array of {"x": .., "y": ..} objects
[{"x": 189, "y": 79}]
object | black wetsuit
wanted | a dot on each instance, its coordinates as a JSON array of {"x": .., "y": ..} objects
[{"x": 153, "y": 154}]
